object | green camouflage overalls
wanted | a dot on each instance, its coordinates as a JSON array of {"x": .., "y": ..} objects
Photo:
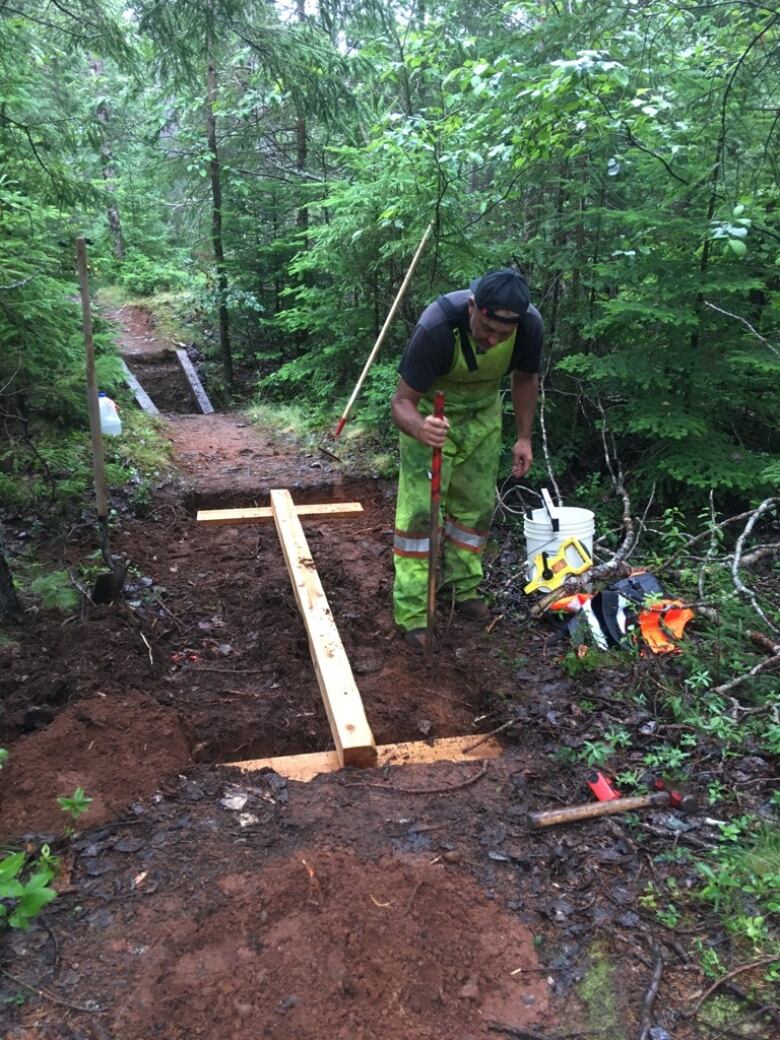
[{"x": 468, "y": 481}]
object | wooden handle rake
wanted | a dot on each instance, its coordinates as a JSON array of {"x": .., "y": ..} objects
[{"x": 380, "y": 338}]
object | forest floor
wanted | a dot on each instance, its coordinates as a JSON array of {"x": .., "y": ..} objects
[{"x": 409, "y": 902}]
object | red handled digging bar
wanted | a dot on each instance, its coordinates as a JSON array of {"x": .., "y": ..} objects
[{"x": 433, "y": 534}]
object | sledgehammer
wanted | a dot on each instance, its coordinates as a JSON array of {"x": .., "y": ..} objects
[{"x": 675, "y": 798}]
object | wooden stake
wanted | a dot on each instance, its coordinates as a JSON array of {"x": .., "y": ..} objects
[
  {"x": 351, "y": 733},
  {"x": 98, "y": 461}
]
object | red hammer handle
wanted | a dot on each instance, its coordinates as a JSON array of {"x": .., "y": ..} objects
[{"x": 438, "y": 411}]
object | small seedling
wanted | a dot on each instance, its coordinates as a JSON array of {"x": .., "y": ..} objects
[
  {"x": 18, "y": 999},
  {"x": 76, "y": 805},
  {"x": 3, "y": 757}
]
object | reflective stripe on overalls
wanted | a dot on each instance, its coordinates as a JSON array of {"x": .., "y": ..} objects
[{"x": 468, "y": 480}]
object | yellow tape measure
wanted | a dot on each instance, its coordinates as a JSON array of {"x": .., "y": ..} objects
[{"x": 551, "y": 571}]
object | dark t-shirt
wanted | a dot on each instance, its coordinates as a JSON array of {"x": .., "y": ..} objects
[{"x": 431, "y": 350}]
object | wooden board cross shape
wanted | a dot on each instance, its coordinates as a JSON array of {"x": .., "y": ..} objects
[{"x": 355, "y": 745}]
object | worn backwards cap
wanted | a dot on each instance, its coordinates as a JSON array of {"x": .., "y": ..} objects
[{"x": 502, "y": 290}]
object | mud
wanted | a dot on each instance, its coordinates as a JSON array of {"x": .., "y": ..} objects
[{"x": 198, "y": 901}]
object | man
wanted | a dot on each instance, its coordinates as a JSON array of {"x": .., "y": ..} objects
[{"x": 463, "y": 344}]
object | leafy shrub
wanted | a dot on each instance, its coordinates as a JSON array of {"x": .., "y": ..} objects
[
  {"x": 143, "y": 275},
  {"x": 56, "y": 591},
  {"x": 24, "y": 886},
  {"x": 744, "y": 883}
]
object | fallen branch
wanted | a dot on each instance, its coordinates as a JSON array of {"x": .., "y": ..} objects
[
  {"x": 51, "y": 997},
  {"x": 492, "y": 733},
  {"x": 616, "y": 473},
  {"x": 770, "y": 662},
  {"x": 530, "y": 1034},
  {"x": 148, "y": 646},
  {"x": 765, "y": 506},
  {"x": 651, "y": 994},
  {"x": 761, "y": 552},
  {"x": 705, "y": 534},
  {"x": 493, "y": 623},
  {"x": 574, "y": 583},
  {"x": 764, "y": 642},
  {"x": 727, "y": 978},
  {"x": 423, "y": 790},
  {"x": 545, "y": 444}
]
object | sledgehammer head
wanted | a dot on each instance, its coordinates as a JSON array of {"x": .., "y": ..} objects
[
  {"x": 679, "y": 798},
  {"x": 688, "y": 803}
]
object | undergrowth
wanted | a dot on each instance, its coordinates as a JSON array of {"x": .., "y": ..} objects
[
  {"x": 51, "y": 472},
  {"x": 358, "y": 448}
]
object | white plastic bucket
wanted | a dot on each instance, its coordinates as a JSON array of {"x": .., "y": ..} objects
[{"x": 540, "y": 536}]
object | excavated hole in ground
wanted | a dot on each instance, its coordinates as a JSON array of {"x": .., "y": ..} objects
[
  {"x": 368, "y": 492},
  {"x": 277, "y": 709},
  {"x": 163, "y": 380}
]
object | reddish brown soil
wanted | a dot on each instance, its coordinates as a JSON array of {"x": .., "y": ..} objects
[{"x": 201, "y": 902}]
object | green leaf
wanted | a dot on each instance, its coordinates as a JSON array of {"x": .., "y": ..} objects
[
  {"x": 11, "y": 865},
  {"x": 737, "y": 246}
]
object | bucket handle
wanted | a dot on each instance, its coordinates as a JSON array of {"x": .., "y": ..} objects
[{"x": 552, "y": 510}]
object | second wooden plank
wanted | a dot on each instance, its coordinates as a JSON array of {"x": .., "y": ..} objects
[
  {"x": 260, "y": 513},
  {"x": 195, "y": 384},
  {"x": 352, "y": 735}
]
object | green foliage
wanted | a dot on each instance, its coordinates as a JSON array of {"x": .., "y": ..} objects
[
  {"x": 56, "y": 591},
  {"x": 55, "y": 469},
  {"x": 142, "y": 275},
  {"x": 743, "y": 882},
  {"x": 24, "y": 887},
  {"x": 599, "y": 752},
  {"x": 654, "y": 898},
  {"x": 76, "y": 805},
  {"x": 580, "y": 661},
  {"x": 608, "y": 177}
]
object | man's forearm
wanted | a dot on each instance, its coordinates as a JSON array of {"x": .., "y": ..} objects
[
  {"x": 525, "y": 392},
  {"x": 406, "y": 416}
]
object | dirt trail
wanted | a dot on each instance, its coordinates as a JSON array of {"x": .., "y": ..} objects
[{"x": 201, "y": 902}]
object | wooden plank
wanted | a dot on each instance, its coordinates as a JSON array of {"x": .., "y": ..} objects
[
  {"x": 141, "y": 396},
  {"x": 195, "y": 384},
  {"x": 351, "y": 733},
  {"x": 421, "y": 752},
  {"x": 257, "y": 515}
]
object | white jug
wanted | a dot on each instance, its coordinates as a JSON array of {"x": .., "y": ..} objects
[{"x": 110, "y": 423}]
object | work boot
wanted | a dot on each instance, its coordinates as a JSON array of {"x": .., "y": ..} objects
[
  {"x": 417, "y": 639},
  {"x": 474, "y": 610}
]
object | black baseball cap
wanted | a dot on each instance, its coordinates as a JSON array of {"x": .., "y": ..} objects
[{"x": 502, "y": 290}]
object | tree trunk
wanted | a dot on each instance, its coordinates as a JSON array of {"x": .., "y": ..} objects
[
  {"x": 108, "y": 170},
  {"x": 301, "y": 139},
  {"x": 9, "y": 604},
  {"x": 215, "y": 175}
]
